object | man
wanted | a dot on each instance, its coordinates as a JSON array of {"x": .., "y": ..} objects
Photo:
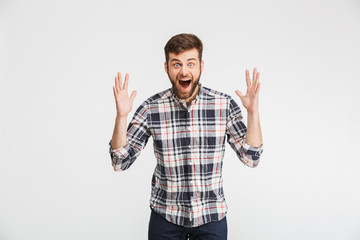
[{"x": 189, "y": 124}]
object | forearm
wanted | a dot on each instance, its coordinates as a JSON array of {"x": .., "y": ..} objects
[
  {"x": 253, "y": 134},
  {"x": 119, "y": 135}
]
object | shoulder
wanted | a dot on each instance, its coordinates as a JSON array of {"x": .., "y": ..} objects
[
  {"x": 216, "y": 94},
  {"x": 231, "y": 104},
  {"x": 154, "y": 100},
  {"x": 158, "y": 97}
]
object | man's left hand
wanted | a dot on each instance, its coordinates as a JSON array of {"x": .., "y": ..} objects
[{"x": 251, "y": 98}]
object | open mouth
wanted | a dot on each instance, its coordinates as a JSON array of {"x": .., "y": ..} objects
[{"x": 184, "y": 84}]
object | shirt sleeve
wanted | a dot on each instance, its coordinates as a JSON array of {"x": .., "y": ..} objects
[
  {"x": 137, "y": 136},
  {"x": 236, "y": 135}
]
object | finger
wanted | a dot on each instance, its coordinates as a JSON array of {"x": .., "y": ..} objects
[
  {"x": 115, "y": 93},
  {"x": 239, "y": 94},
  {"x": 119, "y": 81},
  {"x": 116, "y": 82},
  {"x": 258, "y": 88},
  {"x": 126, "y": 82},
  {"x": 256, "y": 79},
  {"x": 248, "y": 84},
  {"x": 257, "y": 83},
  {"x": 133, "y": 95},
  {"x": 254, "y": 75}
]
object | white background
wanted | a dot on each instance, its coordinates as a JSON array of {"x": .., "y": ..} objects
[{"x": 58, "y": 62}]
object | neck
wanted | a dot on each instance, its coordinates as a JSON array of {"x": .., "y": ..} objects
[{"x": 193, "y": 96}]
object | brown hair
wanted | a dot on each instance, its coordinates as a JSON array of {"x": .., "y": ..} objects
[{"x": 182, "y": 42}]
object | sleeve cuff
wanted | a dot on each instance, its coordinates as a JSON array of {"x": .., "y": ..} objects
[
  {"x": 254, "y": 151},
  {"x": 121, "y": 152}
]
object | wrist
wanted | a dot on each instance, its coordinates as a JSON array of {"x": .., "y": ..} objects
[
  {"x": 121, "y": 118},
  {"x": 253, "y": 113}
]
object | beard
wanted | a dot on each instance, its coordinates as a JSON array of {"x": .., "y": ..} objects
[{"x": 181, "y": 95}]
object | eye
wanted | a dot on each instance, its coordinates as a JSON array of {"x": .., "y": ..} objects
[
  {"x": 191, "y": 64},
  {"x": 176, "y": 65}
]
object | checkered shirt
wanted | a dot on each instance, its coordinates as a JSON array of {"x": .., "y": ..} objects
[{"x": 189, "y": 145}]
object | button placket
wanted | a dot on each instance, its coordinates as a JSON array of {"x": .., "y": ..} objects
[{"x": 188, "y": 127}]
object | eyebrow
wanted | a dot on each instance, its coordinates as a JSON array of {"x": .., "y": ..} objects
[{"x": 175, "y": 59}]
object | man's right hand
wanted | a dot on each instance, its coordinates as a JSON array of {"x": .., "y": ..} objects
[{"x": 123, "y": 101}]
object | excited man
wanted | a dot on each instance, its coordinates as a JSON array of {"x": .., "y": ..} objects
[{"x": 189, "y": 124}]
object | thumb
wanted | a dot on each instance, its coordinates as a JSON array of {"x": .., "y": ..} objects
[
  {"x": 239, "y": 94},
  {"x": 133, "y": 95}
]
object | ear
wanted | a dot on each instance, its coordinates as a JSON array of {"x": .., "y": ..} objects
[
  {"x": 165, "y": 66},
  {"x": 202, "y": 65}
]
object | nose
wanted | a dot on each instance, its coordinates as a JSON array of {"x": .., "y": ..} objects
[{"x": 184, "y": 71}]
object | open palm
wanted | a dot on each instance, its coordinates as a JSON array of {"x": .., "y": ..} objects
[
  {"x": 251, "y": 99},
  {"x": 123, "y": 101}
]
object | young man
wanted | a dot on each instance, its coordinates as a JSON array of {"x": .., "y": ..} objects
[{"x": 189, "y": 124}]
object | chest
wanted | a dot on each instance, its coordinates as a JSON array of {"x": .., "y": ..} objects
[{"x": 203, "y": 124}]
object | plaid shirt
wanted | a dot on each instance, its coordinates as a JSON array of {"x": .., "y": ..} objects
[{"x": 189, "y": 145}]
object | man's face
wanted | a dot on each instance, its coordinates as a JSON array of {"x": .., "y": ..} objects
[{"x": 184, "y": 70}]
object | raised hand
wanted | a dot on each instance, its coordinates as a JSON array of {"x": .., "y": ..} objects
[
  {"x": 123, "y": 101},
  {"x": 251, "y": 98}
]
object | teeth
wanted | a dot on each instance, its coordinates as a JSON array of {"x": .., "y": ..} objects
[{"x": 185, "y": 80}]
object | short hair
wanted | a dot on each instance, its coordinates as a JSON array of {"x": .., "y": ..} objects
[{"x": 182, "y": 42}]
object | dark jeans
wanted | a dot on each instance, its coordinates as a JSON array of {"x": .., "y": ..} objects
[{"x": 161, "y": 229}]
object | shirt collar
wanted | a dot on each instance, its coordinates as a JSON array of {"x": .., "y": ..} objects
[{"x": 182, "y": 102}]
